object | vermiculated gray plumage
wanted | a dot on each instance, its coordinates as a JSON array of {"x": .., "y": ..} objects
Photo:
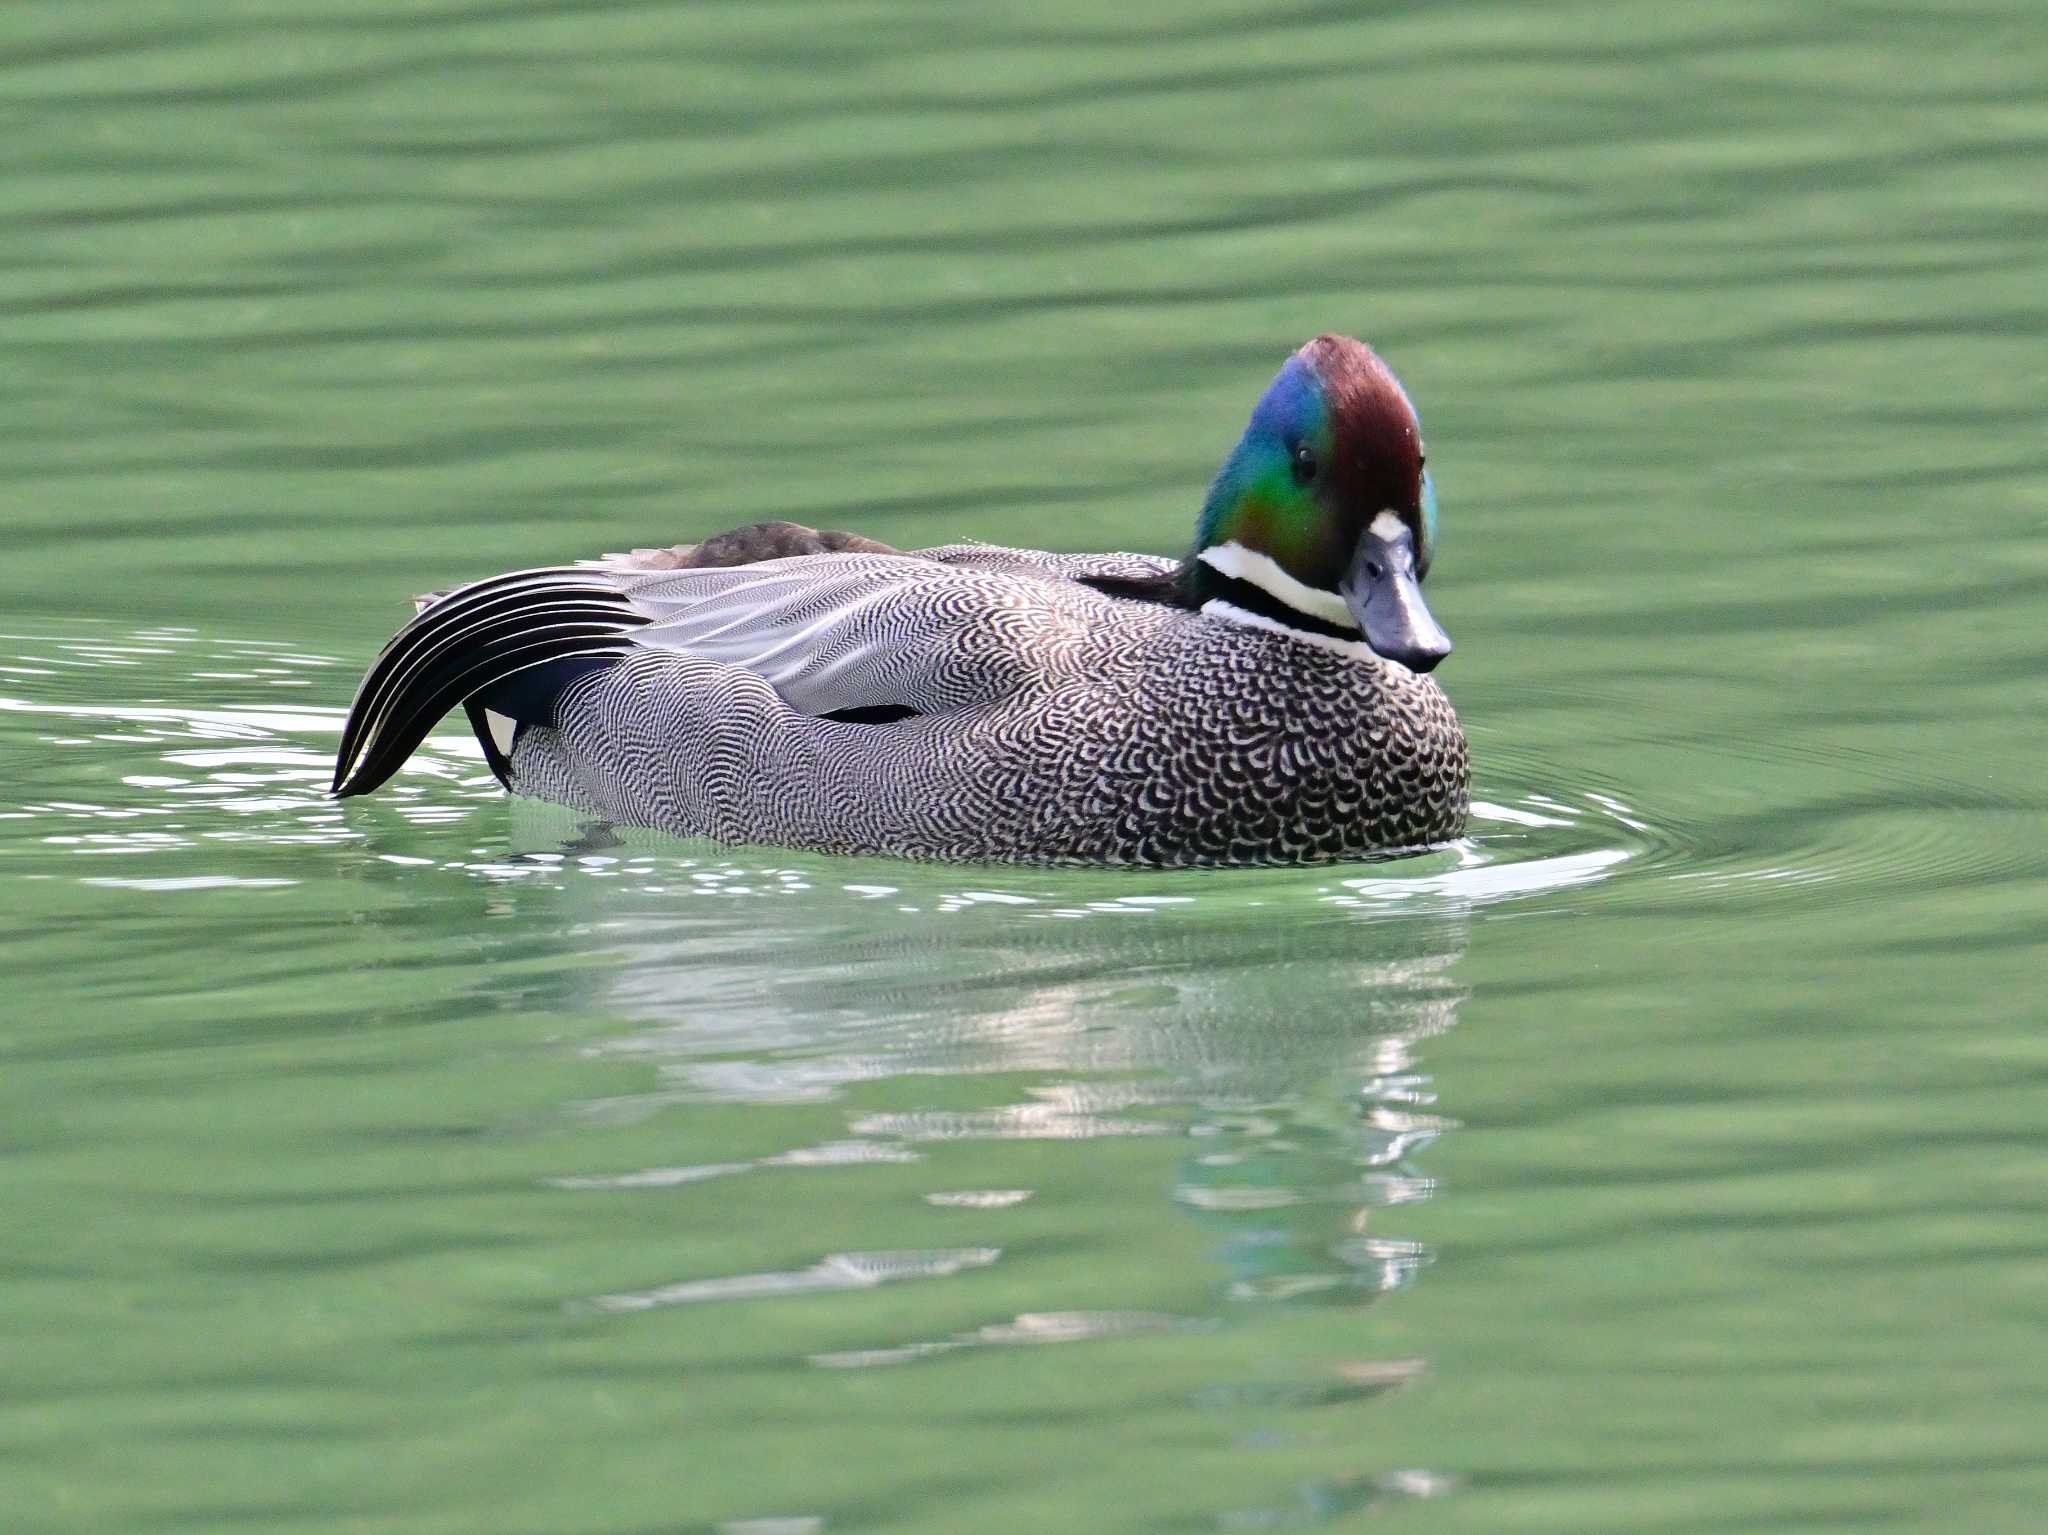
[{"x": 1053, "y": 722}]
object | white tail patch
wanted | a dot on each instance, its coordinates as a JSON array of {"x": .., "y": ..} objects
[{"x": 504, "y": 730}]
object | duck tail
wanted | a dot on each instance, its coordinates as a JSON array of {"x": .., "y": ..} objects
[{"x": 505, "y": 649}]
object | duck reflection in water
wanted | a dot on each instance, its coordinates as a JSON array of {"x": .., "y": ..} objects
[
  {"x": 1271, "y": 1024},
  {"x": 1243, "y": 1056}
]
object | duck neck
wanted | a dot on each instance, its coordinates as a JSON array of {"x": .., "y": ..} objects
[
  {"x": 1253, "y": 509},
  {"x": 1233, "y": 581}
]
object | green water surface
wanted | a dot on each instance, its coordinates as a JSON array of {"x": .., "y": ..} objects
[{"x": 1668, "y": 1156}]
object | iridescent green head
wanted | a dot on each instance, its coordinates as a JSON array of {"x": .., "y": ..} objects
[{"x": 1322, "y": 519}]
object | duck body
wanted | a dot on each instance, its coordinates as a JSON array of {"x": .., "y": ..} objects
[
  {"x": 785, "y": 687},
  {"x": 1055, "y": 723}
]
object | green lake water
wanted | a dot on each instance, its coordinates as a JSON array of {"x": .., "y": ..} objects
[{"x": 1667, "y": 1156}]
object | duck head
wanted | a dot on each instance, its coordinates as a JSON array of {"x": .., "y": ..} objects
[{"x": 1322, "y": 520}]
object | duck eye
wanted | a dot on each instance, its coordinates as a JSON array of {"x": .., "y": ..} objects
[{"x": 1304, "y": 464}]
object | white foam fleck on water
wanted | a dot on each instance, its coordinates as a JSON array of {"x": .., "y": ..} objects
[
  {"x": 978, "y": 1199},
  {"x": 838, "y": 1271},
  {"x": 192, "y": 882},
  {"x": 1479, "y": 882},
  {"x": 841, "y": 1154},
  {"x": 652, "y": 1177},
  {"x": 1028, "y": 1329}
]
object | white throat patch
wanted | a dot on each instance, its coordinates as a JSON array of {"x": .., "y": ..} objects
[
  {"x": 1263, "y": 571},
  {"x": 1231, "y": 613}
]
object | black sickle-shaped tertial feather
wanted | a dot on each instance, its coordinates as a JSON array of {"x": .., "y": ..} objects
[
  {"x": 460, "y": 624},
  {"x": 453, "y": 621},
  {"x": 471, "y": 640}
]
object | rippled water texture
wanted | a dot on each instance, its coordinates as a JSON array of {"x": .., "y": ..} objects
[{"x": 1666, "y": 1156}]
